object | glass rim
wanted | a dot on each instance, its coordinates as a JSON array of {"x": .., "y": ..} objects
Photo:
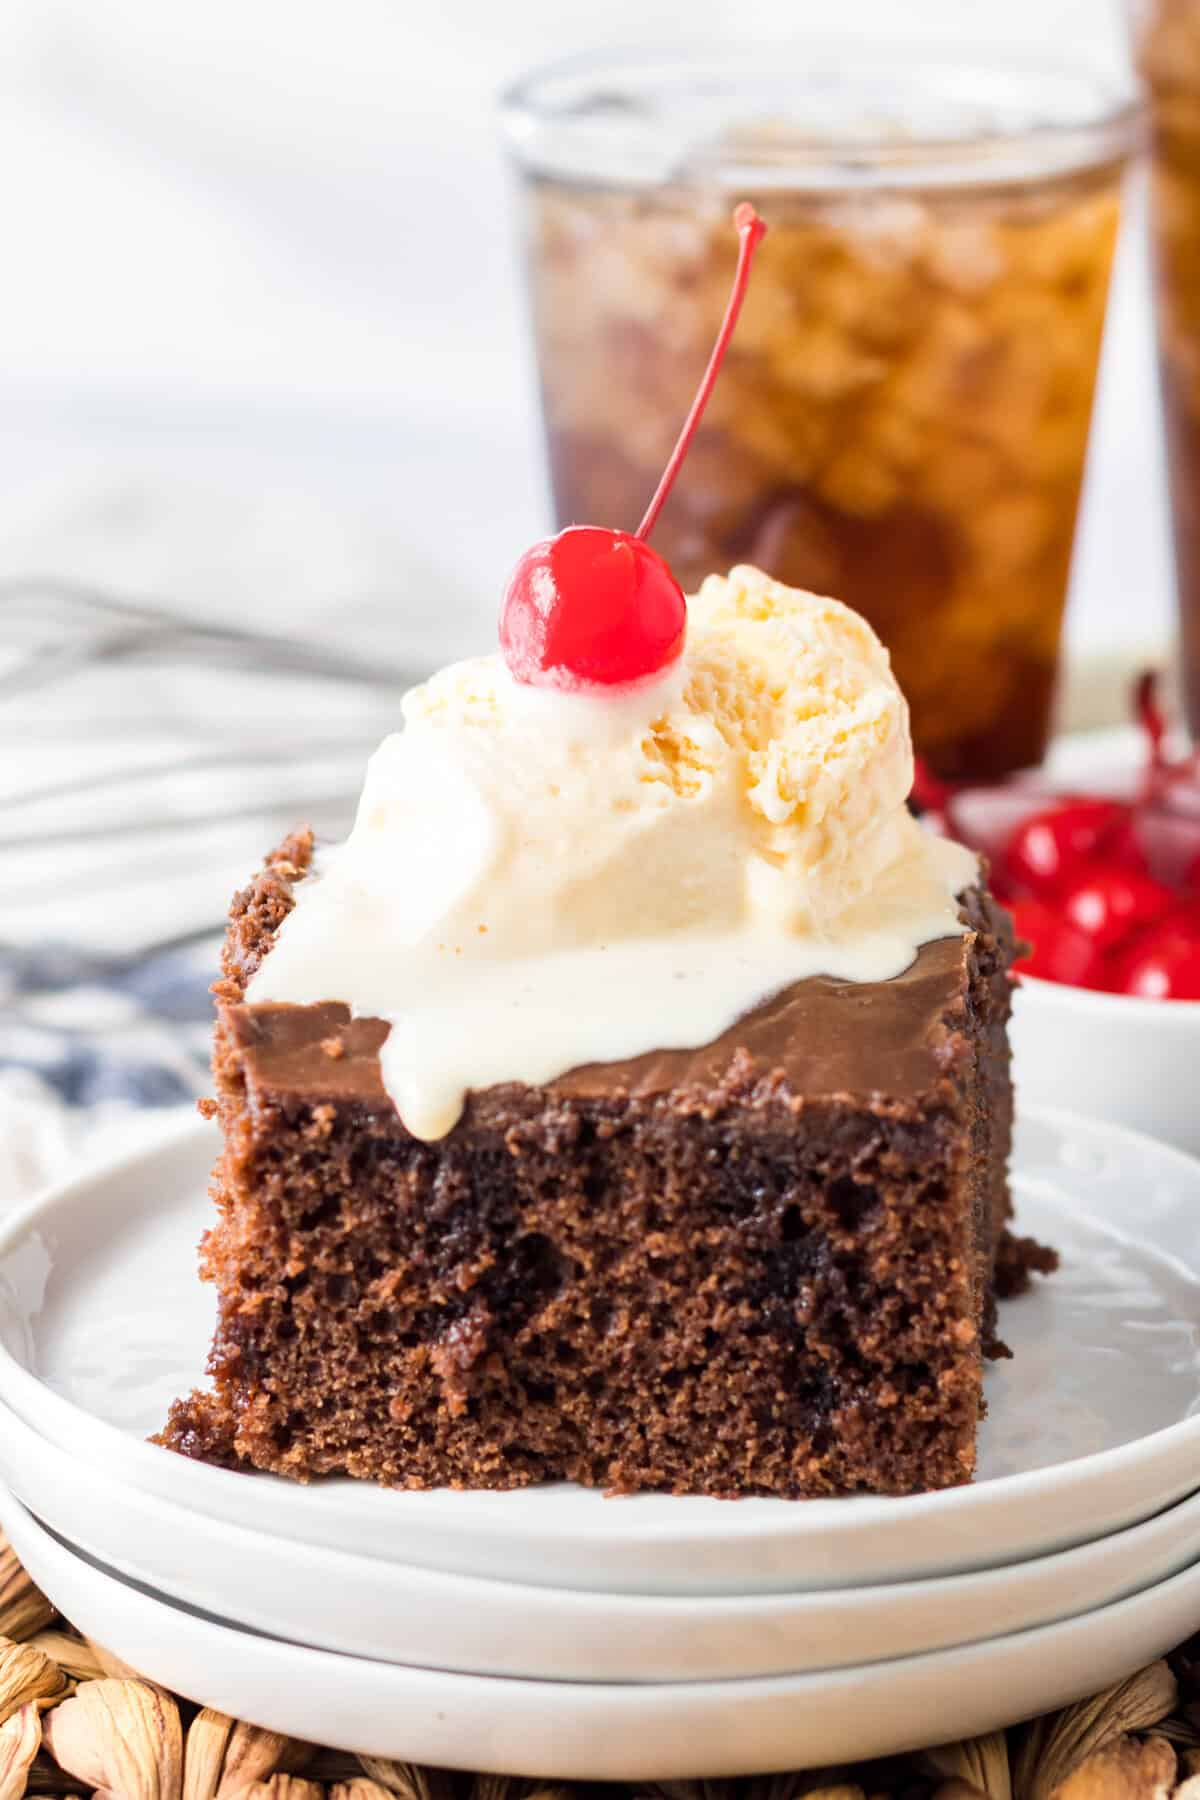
[{"x": 574, "y": 110}]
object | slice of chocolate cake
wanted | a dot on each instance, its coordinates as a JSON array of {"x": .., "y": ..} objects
[
  {"x": 764, "y": 1266},
  {"x": 626, "y": 1100}
]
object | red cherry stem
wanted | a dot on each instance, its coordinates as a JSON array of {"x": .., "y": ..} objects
[
  {"x": 1153, "y": 723},
  {"x": 750, "y": 230}
]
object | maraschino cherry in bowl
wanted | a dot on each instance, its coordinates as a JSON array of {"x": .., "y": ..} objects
[{"x": 1102, "y": 876}]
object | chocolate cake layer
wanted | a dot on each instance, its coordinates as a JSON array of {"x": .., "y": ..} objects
[{"x": 764, "y": 1266}]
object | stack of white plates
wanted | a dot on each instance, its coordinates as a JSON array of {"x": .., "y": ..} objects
[{"x": 556, "y": 1632}]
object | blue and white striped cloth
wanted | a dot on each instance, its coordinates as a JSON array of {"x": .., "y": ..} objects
[
  {"x": 96, "y": 1028},
  {"x": 147, "y": 763}
]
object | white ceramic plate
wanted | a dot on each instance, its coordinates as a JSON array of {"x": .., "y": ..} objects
[
  {"x": 394, "y": 1613},
  {"x": 567, "y": 1730},
  {"x": 1094, "y": 1425}
]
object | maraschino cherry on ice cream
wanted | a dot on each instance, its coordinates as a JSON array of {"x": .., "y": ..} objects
[{"x": 594, "y": 607}]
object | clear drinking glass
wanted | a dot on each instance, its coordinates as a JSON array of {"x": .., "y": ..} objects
[
  {"x": 1169, "y": 53},
  {"x": 903, "y": 416}
]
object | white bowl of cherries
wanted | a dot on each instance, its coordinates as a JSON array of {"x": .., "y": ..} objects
[{"x": 1104, "y": 889}]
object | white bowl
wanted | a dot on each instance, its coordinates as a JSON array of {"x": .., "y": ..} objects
[
  {"x": 1107, "y": 1056},
  {"x": 1110, "y": 1056}
]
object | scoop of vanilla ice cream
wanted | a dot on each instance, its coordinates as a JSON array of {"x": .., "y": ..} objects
[
  {"x": 766, "y": 774},
  {"x": 814, "y": 732},
  {"x": 538, "y": 878}
]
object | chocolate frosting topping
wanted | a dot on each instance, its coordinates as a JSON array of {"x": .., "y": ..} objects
[{"x": 826, "y": 1038}]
